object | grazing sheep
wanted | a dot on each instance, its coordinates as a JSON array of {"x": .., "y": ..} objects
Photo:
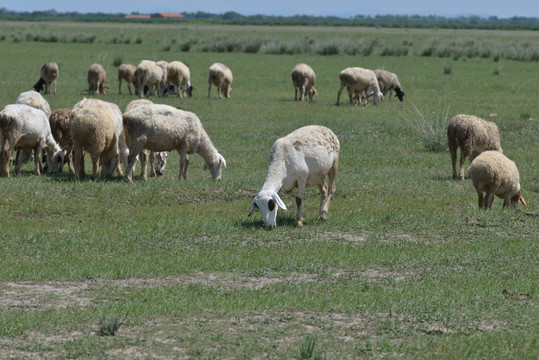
[
  {"x": 389, "y": 81},
  {"x": 60, "y": 122},
  {"x": 473, "y": 135},
  {"x": 149, "y": 74},
  {"x": 34, "y": 99},
  {"x": 494, "y": 174},
  {"x": 97, "y": 77},
  {"x": 96, "y": 128},
  {"x": 26, "y": 127},
  {"x": 126, "y": 72},
  {"x": 303, "y": 78},
  {"x": 178, "y": 74},
  {"x": 164, "y": 128},
  {"x": 220, "y": 76},
  {"x": 358, "y": 80},
  {"x": 302, "y": 158},
  {"x": 48, "y": 75}
]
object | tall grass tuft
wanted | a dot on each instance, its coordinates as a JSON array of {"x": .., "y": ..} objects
[
  {"x": 306, "y": 350},
  {"x": 431, "y": 131},
  {"x": 110, "y": 326},
  {"x": 118, "y": 60}
]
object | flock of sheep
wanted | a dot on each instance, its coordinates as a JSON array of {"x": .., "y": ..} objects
[{"x": 146, "y": 131}]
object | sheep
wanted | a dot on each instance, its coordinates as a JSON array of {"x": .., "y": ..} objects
[
  {"x": 358, "y": 80},
  {"x": 389, "y": 81},
  {"x": 97, "y": 77},
  {"x": 158, "y": 127},
  {"x": 303, "y": 77},
  {"x": 302, "y": 158},
  {"x": 178, "y": 74},
  {"x": 494, "y": 174},
  {"x": 473, "y": 135},
  {"x": 126, "y": 72},
  {"x": 60, "y": 123},
  {"x": 34, "y": 99},
  {"x": 96, "y": 128},
  {"x": 149, "y": 74},
  {"x": 220, "y": 76},
  {"x": 48, "y": 75},
  {"x": 26, "y": 127}
]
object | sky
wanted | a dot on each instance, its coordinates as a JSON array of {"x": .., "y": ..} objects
[{"x": 341, "y": 8}]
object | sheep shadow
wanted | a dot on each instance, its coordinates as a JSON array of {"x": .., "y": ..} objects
[{"x": 259, "y": 224}]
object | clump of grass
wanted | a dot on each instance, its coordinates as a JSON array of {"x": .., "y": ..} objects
[
  {"x": 138, "y": 40},
  {"x": 306, "y": 350},
  {"x": 447, "y": 69},
  {"x": 431, "y": 131},
  {"x": 166, "y": 47},
  {"x": 118, "y": 60},
  {"x": 110, "y": 326}
]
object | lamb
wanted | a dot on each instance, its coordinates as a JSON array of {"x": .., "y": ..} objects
[
  {"x": 60, "y": 123},
  {"x": 220, "y": 76},
  {"x": 389, "y": 81},
  {"x": 473, "y": 135},
  {"x": 96, "y": 128},
  {"x": 303, "y": 77},
  {"x": 149, "y": 74},
  {"x": 26, "y": 127},
  {"x": 48, "y": 75},
  {"x": 178, "y": 74},
  {"x": 494, "y": 174},
  {"x": 358, "y": 80},
  {"x": 158, "y": 127},
  {"x": 97, "y": 77},
  {"x": 302, "y": 158},
  {"x": 126, "y": 72}
]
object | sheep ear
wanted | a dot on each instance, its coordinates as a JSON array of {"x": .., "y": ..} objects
[
  {"x": 253, "y": 206},
  {"x": 279, "y": 201},
  {"x": 222, "y": 160},
  {"x": 521, "y": 200}
]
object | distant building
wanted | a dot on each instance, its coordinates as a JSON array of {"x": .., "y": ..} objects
[{"x": 159, "y": 15}]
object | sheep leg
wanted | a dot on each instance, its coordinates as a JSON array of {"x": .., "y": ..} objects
[
  {"x": 209, "y": 88},
  {"x": 55, "y": 87},
  {"x": 296, "y": 93},
  {"x": 339, "y": 95},
  {"x": 463, "y": 156},
  {"x": 453, "y": 151},
  {"x": 95, "y": 168},
  {"x": 37, "y": 160},
  {"x": 299, "y": 202},
  {"x": 77, "y": 150},
  {"x": 4, "y": 157},
  {"x": 119, "y": 86},
  {"x": 220, "y": 91},
  {"x": 153, "y": 173},
  {"x": 144, "y": 164},
  {"x": 129, "y": 87},
  {"x": 184, "y": 163},
  {"x": 302, "y": 94},
  {"x": 132, "y": 159},
  {"x": 327, "y": 193},
  {"x": 488, "y": 200},
  {"x": 18, "y": 162}
]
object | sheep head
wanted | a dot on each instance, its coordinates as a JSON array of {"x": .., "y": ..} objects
[
  {"x": 377, "y": 97},
  {"x": 55, "y": 161},
  {"x": 38, "y": 86},
  {"x": 268, "y": 201},
  {"x": 400, "y": 93},
  {"x": 517, "y": 199},
  {"x": 216, "y": 167},
  {"x": 312, "y": 93}
]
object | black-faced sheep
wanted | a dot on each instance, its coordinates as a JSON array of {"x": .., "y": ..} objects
[
  {"x": 48, "y": 75},
  {"x": 179, "y": 76},
  {"x": 494, "y": 174},
  {"x": 302, "y": 158},
  {"x": 220, "y": 76},
  {"x": 358, "y": 80},
  {"x": 164, "y": 128},
  {"x": 97, "y": 77},
  {"x": 389, "y": 81},
  {"x": 26, "y": 127},
  {"x": 303, "y": 78},
  {"x": 472, "y": 135},
  {"x": 126, "y": 72}
]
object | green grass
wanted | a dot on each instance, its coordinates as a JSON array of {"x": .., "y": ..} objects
[{"x": 394, "y": 271}]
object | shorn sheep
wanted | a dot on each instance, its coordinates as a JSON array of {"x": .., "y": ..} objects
[
  {"x": 493, "y": 173},
  {"x": 179, "y": 76},
  {"x": 164, "y": 128},
  {"x": 358, "y": 80},
  {"x": 303, "y": 78},
  {"x": 220, "y": 76},
  {"x": 48, "y": 75},
  {"x": 149, "y": 74},
  {"x": 389, "y": 81},
  {"x": 26, "y": 127},
  {"x": 97, "y": 77},
  {"x": 302, "y": 158},
  {"x": 96, "y": 128},
  {"x": 472, "y": 135},
  {"x": 126, "y": 72}
]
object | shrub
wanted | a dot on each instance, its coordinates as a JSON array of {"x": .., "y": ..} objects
[
  {"x": 431, "y": 132},
  {"x": 118, "y": 60}
]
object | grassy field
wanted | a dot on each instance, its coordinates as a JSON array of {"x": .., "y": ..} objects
[{"x": 395, "y": 271}]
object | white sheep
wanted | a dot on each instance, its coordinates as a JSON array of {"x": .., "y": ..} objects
[
  {"x": 48, "y": 75},
  {"x": 302, "y": 158},
  {"x": 97, "y": 76},
  {"x": 26, "y": 127},
  {"x": 126, "y": 72},
  {"x": 150, "y": 74},
  {"x": 178, "y": 74},
  {"x": 303, "y": 78},
  {"x": 34, "y": 99},
  {"x": 220, "y": 76},
  {"x": 389, "y": 81},
  {"x": 96, "y": 128},
  {"x": 158, "y": 127},
  {"x": 358, "y": 80},
  {"x": 494, "y": 174},
  {"x": 473, "y": 135}
]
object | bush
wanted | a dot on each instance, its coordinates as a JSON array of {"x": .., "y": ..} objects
[{"x": 118, "y": 60}]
